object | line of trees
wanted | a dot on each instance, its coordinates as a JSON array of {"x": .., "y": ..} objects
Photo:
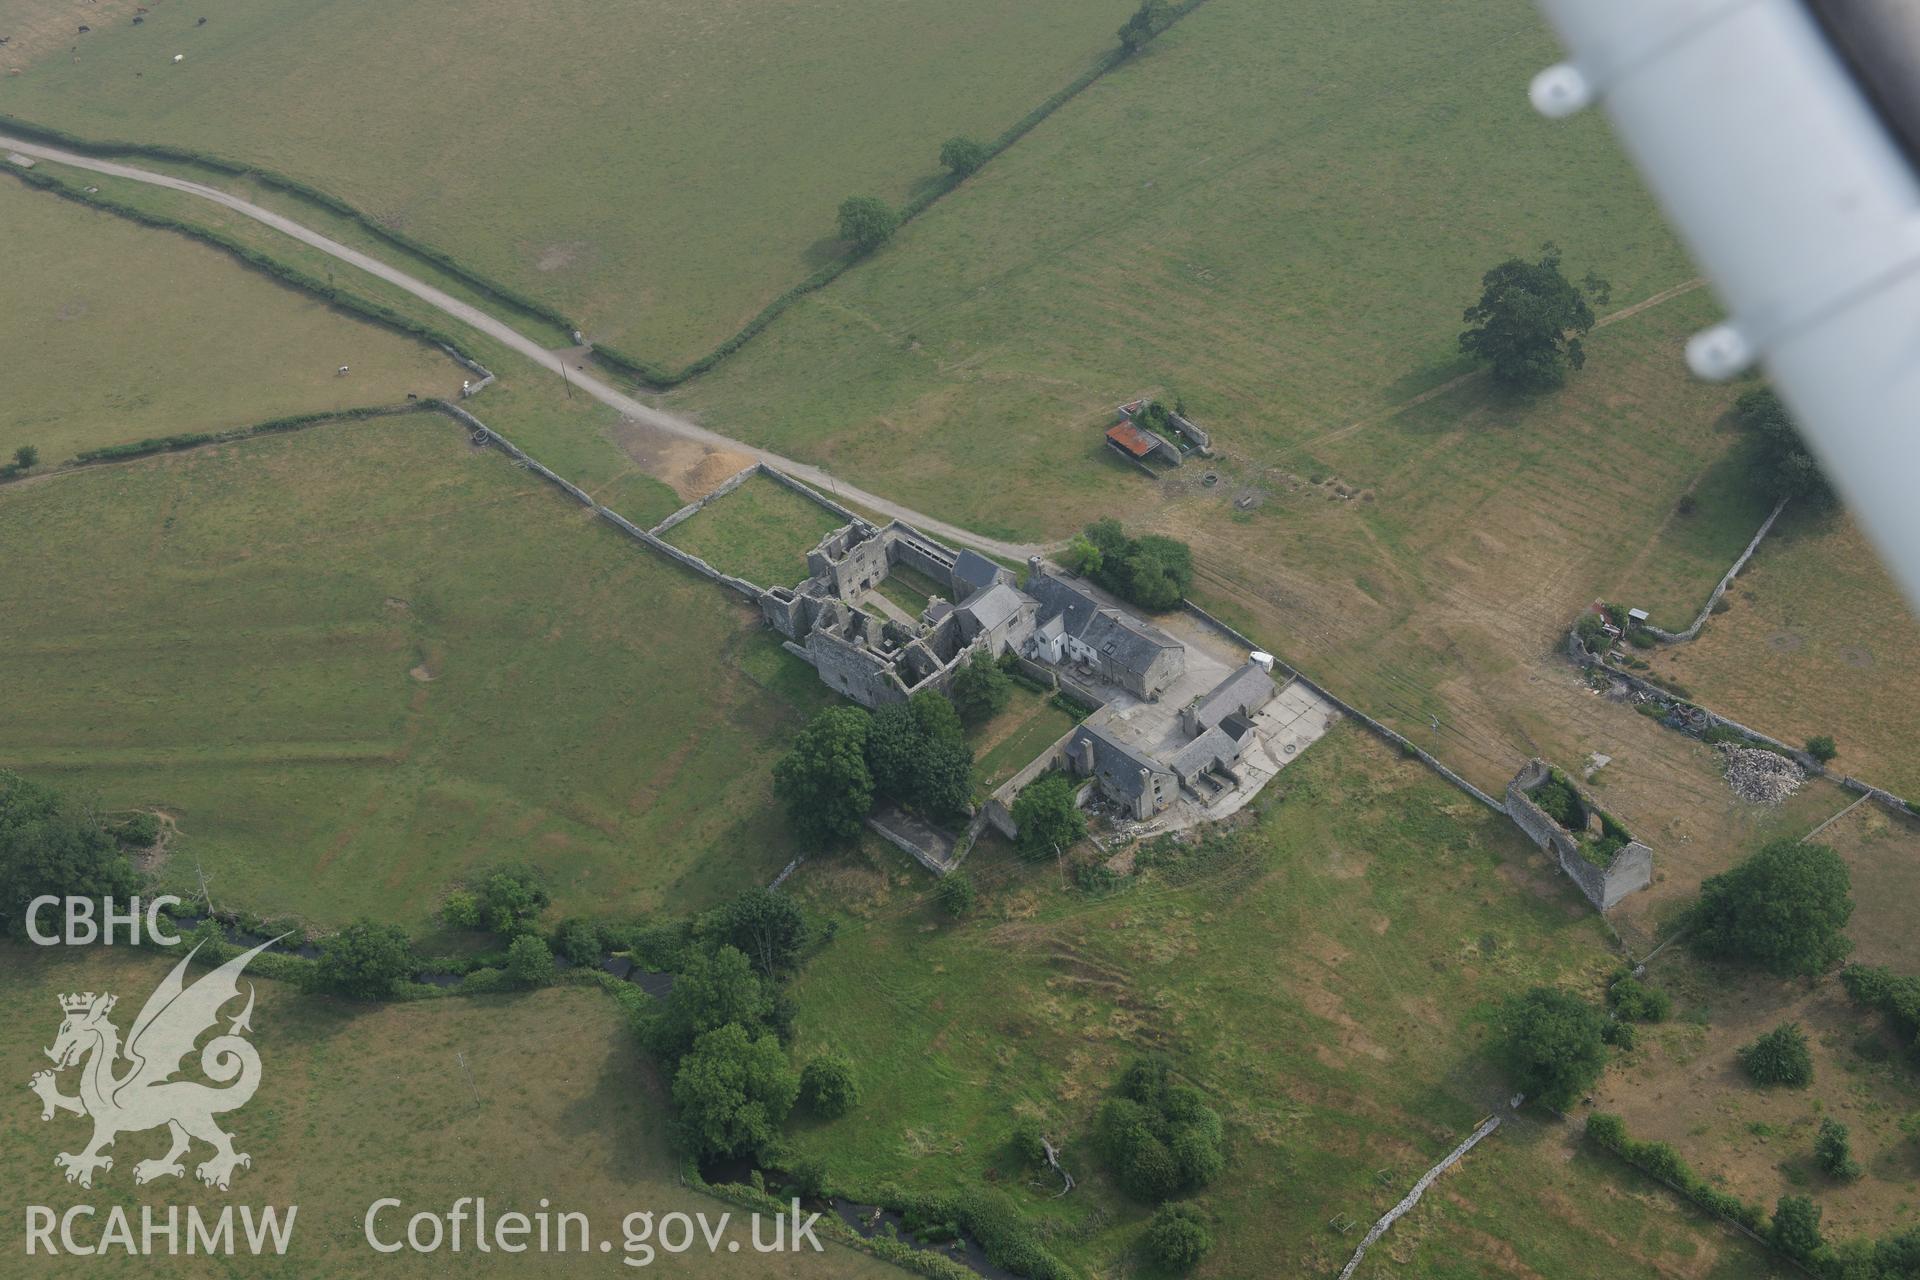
[{"x": 847, "y": 759}]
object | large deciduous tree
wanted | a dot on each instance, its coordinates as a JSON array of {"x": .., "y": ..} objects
[
  {"x": 733, "y": 1091},
  {"x": 1529, "y": 321},
  {"x": 962, "y": 156},
  {"x": 767, "y": 926},
  {"x": 1783, "y": 909},
  {"x": 1048, "y": 819},
  {"x": 1553, "y": 1044},
  {"x": 917, "y": 754},
  {"x": 824, "y": 781},
  {"x": 1783, "y": 467},
  {"x": 981, "y": 690},
  {"x": 364, "y": 961},
  {"x": 867, "y": 221}
]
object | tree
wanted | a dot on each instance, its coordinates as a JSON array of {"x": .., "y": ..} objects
[
  {"x": 530, "y": 960},
  {"x": 1028, "y": 1141},
  {"x": 1780, "y": 1056},
  {"x": 1082, "y": 557},
  {"x": 733, "y": 1091},
  {"x": 1178, "y": 1238},
  {"x": 1796, "y": 1227},
  {"x": 461, "y": 909},
  {"x": 1528, "y": 321},
  {"x": 768, "y": 926},
  {"x": 714, "y": 990},
  {"x": 1822, "y": 748},
  {"x": 51, "y": 846},
  {"x": 963, "y": 156},
  {"x": 1152, "y": 571},
  {"x": 1783, "y": 467},
  {"x": 824, "y": 781},
  {"x": 1159, "y": 572},
  {"x": 1047, "y": 818},
  {"x": 981, "y": 690},
  {"x": 1633, "y": 999},
  {"x": 364, "y": 961},
  {"x": 946, "y": 767},
  {"x": 809, "y": 1178},
  {"x": 26, "y": 457},
  {"x": 917, "y": 754},
  {"x": 577, "y": 941},
  {"x": 867, "y": 221},
  {"x": 829, "y": 1085},
  {"x": 1148, "y": 21},
  {"x": 1553, "y": 1044},
  {"x": 511, "y": 898},
  {"x": 1783, "y": 909},
  {"x": 956, "y": 893},
  {"x": 1833, "y": 1151}
]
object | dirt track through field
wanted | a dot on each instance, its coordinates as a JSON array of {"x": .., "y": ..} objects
[{"x": 512, "y": 338}]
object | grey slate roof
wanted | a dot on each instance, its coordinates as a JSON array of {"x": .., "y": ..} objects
[
  {"x": 973, "y": 572},
  {"x": 992, "y": 606},
  {"x": 1114, "y": 763},
  {"x": 1059, "y": 598},
  {"x": 1128, "y": 643},
  {"x": 1249, "y": 688},
  {"x": 1205, "y": 751}
]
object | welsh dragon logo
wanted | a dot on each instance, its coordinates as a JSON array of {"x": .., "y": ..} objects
[{"x": 144, "y": 1095}]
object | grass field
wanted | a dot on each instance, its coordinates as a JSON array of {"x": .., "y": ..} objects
[
  {"x": 1009, "y": 742},
  {"x": 115, "y": 332},
  {"x": 1324, "y": 976},
  {"x": 358, "y": 661},
  {"x": 1818, "y": 640},
  {"x": 358, "y": 1103},
  {"x": 761, "y": 531},
  {"x": 1683, "y": 1085},
  {"x": 1303, "y": 268},
  {"x": 1695, "y": 545},
  {"x": 739, "y": 129}
]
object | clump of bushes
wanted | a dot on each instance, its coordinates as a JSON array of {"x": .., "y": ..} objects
[
  {"x": 1822, "y": 748},
  {"x": 364, "y": 961},
  {"x": 1151, "y": 571},
  {"x": 530, "y": 960},
  {"x": 506, "y": 901},
  {"x": 1833, "y": 1151},
  {"x": 50, "y": 844},
  {"x": 829, "y": 1086},
  {"x": 139, "y": 831},
  {"x": 1896, "y": 996},
  {"x": 956, "y": 894},
  {"x": 1178, "y": 1238},
  {"x": 1780, "y": 1057},
  {"x": 1159, "y": 1138},
  {"x": 1634, "y": 1000}
]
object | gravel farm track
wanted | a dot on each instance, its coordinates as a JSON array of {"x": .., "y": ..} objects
[{"x": 507, "y": 336}]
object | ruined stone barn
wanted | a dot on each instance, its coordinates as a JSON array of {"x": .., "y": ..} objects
[{"x": 1599, "y": 854}]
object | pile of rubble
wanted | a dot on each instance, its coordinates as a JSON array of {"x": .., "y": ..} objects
[{"x": 1761, "y": 777}]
